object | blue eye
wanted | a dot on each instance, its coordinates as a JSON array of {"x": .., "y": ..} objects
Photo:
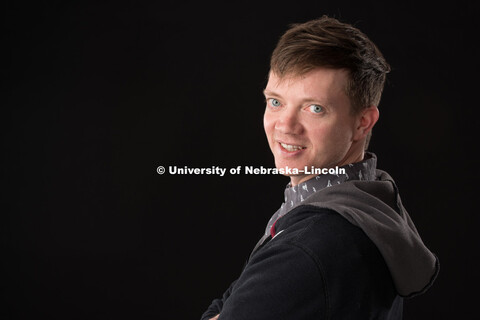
[
  {"x": 274, "y": 102},
  {"x": 315, "y": 108}
]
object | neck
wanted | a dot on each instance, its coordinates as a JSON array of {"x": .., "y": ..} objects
[{"x": 353, "y": 158}]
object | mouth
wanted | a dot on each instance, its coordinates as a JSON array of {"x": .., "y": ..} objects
[{"x": 291, "y": 147}]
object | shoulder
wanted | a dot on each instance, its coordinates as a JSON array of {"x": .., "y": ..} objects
[
  {"x": 351, "y": 267},
  {"x": 317, "y": 263},
  {"x": 341, "y": 250},
  {"x": 321, "y": 230}
]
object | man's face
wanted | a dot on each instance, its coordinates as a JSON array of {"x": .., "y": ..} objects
[{"x": 308, "y": 121}]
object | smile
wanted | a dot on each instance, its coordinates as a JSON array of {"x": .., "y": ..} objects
[{"x": 290, "y": 147}]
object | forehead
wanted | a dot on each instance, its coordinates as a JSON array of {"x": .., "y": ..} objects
[{"x": 318, "y": 81}]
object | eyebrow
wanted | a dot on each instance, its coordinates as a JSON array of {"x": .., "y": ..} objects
[
  {"x": 308, "y": 99},
  {"x": 270, "y": 93}
]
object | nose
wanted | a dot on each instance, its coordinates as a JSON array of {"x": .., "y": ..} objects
[{"x": 288, "y": 122}]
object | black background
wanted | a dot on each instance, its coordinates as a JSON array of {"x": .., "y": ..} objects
[{"x": 96, "y": 96}]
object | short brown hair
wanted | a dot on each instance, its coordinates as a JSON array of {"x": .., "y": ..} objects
[{"x": 329, "y": 43}]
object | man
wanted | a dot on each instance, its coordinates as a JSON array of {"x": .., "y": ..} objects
[{"x": 341, "y": 246}]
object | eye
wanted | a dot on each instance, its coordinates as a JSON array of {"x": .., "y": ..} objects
[
  {"x": 274, "y": 102},
  {"x": 315, "y": 108}
]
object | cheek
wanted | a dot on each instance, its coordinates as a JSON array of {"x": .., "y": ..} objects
[
  {"x": 331, "y": 136},
  {"x": 342, "y": 133}
]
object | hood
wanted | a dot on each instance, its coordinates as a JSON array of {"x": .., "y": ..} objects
[{"x": 376, "y": 208}]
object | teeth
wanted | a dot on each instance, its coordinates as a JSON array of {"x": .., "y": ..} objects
[{"x": 290, "y": 147}]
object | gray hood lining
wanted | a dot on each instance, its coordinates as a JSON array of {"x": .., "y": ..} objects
[{"x": 376, "y": 207}]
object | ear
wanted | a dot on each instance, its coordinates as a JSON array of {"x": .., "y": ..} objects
[{"x": 365, "y": 122}]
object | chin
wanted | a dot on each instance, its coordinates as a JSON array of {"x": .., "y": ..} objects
[{"x": 291, "y": 165}]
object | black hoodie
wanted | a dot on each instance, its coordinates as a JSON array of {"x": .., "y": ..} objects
[{"x": 349, "y": 251}]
